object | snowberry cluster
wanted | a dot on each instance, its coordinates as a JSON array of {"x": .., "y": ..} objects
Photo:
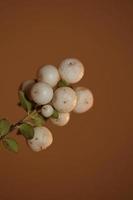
[{"x": 50, "y": 96}]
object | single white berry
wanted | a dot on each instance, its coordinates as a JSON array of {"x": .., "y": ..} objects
[
  {"x": 64, "y": 99},
  {"x": 41, "y": 93},
  {"x": 47, "y": 110},
  {"x": 71, "y": 70},
  {"x": 48, "y": 74},
  {"x": 26, "y": 87},
  {"x": 84, "y": 100},
  {"x": 41, "y": 140},
  {"x": 62, "y": 119},
  {"x": 26, "y": 84}
]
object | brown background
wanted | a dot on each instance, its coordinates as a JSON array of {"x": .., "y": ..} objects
[{"x": 92, "y": 157}]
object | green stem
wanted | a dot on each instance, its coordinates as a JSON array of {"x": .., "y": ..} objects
[
  {"x": 14, "y": 126},
  {"x": 17, "y": 124},
  {"x": 26, "y": 119}
]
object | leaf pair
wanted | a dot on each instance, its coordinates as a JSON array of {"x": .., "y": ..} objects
[{"x": 9, "y": 143}]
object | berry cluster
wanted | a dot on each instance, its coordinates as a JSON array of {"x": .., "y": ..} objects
[{"x": 50, "y": 96}]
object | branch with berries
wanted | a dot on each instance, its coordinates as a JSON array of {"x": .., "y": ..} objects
[{"x": 51, "y": 96}]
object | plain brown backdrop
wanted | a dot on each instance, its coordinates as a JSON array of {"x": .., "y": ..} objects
[{"x": 92, "y": 157}]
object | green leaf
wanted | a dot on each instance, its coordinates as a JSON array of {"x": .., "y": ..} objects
[
  {"x": 26, "y": 130},
  {"x": 25, "y": 103},
  {"x": 55, "y": 114},
  {"x": 10, "y": 144},
  {"x": 62, "y": 83},
  {"x": 37, "y": 119},
  {"x": 4, "y": 127}
]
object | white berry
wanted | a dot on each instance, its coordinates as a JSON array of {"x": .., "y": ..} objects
[
  {"x": 64, "y": 99},
  {"x": 71, "y": 70},
  {"x": 47, "y": 110},
  {"x": 41, "y": 140},
  {"x": 62, "y": 119},
  {"x": 26, "y": 87},
  {"x": 41, "y": 93},
  {"x": 48, "y": 74},
  {"x": 84, "y": 100}
]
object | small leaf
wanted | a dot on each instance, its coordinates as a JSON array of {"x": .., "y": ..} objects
[
  {"x": 4, "y": 127},
  {"x": 25, "y": 103},
  {"x": 62, "y": 83},
  {"x": 37, "y": 119},
  {"x": 26, "y": 130},
  {"x": 10, "y": 144},
  {"x": 55, "y": 114}
]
